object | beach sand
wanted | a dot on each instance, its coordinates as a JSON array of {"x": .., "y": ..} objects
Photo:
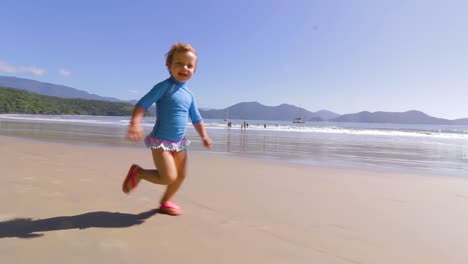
[{"x": 63, "y": 204}]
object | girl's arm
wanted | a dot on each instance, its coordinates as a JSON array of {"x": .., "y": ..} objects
[
  {"x": 200, "y": 128},
  {"x": 135, "y": 131}
]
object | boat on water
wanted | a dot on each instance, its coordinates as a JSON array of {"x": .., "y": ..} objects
[{"x": 298, "y": 120}]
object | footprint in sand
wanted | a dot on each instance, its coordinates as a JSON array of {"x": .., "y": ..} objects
[
  {"x": 23, "y": 188},
  {"x": 85, "y": 180},
  {"x": 54, "y": 194},
  {"x": 464, "y": 196},
  {"x": 6, "y": 217},
  {"x": 56, "y": 182},
  {"x": 113, "y": 244}
]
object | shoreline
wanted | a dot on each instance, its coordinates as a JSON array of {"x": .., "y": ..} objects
[
  {"x": 322, "y": 152},
  {"x": 139, "y": 146}
]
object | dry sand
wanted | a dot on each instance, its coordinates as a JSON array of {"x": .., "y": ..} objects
[{"x": 63, "y": 204}]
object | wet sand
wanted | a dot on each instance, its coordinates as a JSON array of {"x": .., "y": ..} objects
[{"x": 63, "y": 204}]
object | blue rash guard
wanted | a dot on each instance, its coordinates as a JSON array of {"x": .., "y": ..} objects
[{"x": 174, "y": 105}]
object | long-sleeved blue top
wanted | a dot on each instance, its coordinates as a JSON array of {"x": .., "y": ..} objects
[{"x": 174, "y": 105}]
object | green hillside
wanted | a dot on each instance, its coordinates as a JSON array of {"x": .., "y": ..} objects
[{"x": 22, "y": 102}]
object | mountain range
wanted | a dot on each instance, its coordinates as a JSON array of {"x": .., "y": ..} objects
[
  {"x": 50, "y": 89},
  {"x": 246, "y": 110},
  {"x": 257, "y": 111}
]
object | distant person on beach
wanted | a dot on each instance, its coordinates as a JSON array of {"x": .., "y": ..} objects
[{"x": 174, "y": 104}]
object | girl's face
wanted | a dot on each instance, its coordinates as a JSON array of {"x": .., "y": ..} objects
[{"x": 183, "y": 65}]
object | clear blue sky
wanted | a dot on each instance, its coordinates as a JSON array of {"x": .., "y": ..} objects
[{"x": 345, "y": 56}]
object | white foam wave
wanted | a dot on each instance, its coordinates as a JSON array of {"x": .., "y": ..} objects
[
  {"x": 271, "y": 128},
  {"x": 351, "y": 131},
  {"x": 65, "y": 119}
]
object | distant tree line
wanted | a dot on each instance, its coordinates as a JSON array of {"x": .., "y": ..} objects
[{"x": 23, "y": 102}]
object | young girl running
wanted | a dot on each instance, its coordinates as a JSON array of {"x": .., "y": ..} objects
[{"x": 174, "y": 105}]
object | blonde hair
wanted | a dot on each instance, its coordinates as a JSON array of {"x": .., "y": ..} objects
[{"x": 178, "y": 47}]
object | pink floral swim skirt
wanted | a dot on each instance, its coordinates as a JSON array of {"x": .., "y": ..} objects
[{"x": 173, "y": 146}]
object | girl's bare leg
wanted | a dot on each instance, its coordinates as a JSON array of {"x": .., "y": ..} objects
[
  {"x": 165, "y": 174},
  {"x": 180, "y": 161},
  {"x": 171, "y": 171}
]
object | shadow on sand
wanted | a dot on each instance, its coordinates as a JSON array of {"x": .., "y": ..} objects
[{"x": 29, "y": 228}]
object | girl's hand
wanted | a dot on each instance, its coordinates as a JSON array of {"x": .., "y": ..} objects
[
  {"x": 207, "y": 142},
  {"x": 135, "y": 133}
]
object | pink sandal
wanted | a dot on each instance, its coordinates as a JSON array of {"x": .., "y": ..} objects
[
  {"x": 170, "y": 209},
  {"x": 130, "y": 176}
]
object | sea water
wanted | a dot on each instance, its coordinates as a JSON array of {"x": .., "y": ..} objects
[{"x": 436, "y": 149}]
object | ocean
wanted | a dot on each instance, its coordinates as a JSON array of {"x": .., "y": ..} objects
[{"x": 428, "y": 149}]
